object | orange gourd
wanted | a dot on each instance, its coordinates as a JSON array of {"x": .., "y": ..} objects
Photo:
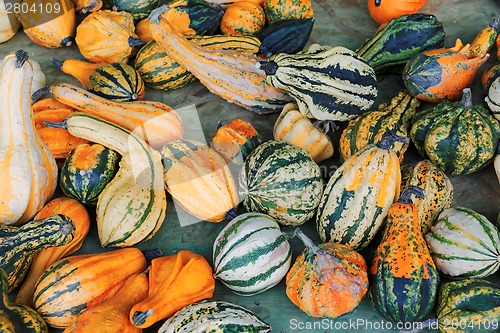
[
  {"x": 44, "y": 258},
  {"x": 279, "y": 10},
  {"x": 243, "y": 18},
  {"x": 58, "y": 140},
  {"x": 484, "y": 40},
  {"x": 79, "y": 69},
  {"x": 175, "y": 282},
  {"x": 112, "y": 315},
  {"x": 142, "y": 30},
  {"x": 382, "y": 11}
]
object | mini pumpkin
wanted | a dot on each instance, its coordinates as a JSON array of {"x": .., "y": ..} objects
[
  {"x": 243, "y": 18},
  {"x": 382, "y": 11}
]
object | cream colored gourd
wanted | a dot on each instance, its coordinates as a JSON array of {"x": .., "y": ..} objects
[
  {"x": 493, "y": 98},
  {"x": 8, "y": 22},
  {"x": 28, "y": 168}
]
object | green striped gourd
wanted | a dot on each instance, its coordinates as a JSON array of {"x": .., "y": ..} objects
[
  {"x": 493, "y": 98},
  {"x": 358, "y": 195},
  {"x": 117, "y": 81},
  {"x": 468, "y": 305},
  {"x": 401, "y": 39},
  {"x": 443, "y": 135},
  {"x": 251, "y": 254},
  {"x": 328, "y": 83},
  {"x": 86, "y": 171},
  {"x": 18, "y": 245},
  {"x": 281, "y": 180},
  {"x": 464, "y": 244},
  {"x": 139, "y": 9},
  {"x": 219, "y": 316},
  {"x": 437, "y": 187},
  {"x": 203, "y": 17},
  {"x": 369, "y": 127}
]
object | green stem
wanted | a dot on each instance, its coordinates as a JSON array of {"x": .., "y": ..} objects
[{"x": 308, "y": 243}]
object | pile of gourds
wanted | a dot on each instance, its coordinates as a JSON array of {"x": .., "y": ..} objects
[{"x": 113, "y": 152}]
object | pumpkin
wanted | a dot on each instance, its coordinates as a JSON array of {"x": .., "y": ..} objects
[
  {"x": 200, "y": 316},
  {"x": 16, "y": 317},
  {"x": 295, "y": 128},
  {"x": 403, "y": 277},
  {"x": 283, "y": 181},
  {"x": 464, "y": 244},
  {"x": 442, "y": 74},
  {"x": 87, "y": 6},
  {"x": 250, "y": 254},
  {"x": 9, "y": 24},
  {"x": 242, "y": 18},
  {"x": 27, "y": 166},
  {"x": 358, "y": 195},
  {"x": 327, "y": 83},
  {"x": 107, "y": 37},
  {"x": 231, "y": 75},
  {"x": 50, "y": 29},
  {"x": 235, "y": 140},
  {"x": 71, "y": 285},
  {"x": 402, "y": 38},
  {"x": 443, "y": 135},
  {"x": 112, "y": 315},
  {"x": 277, "y": 10},
  {"x": 86, "y": 172},
  {"x": 326, "y": 280},
  {"x": 186, "y": 277},
  {"x": 138, "y": 9},
  {"x": 19, "y": 244},
  {"x": 485, "y": 39},
  {"x": 44, "y": 258},
  {"x": 199, "y": 180},
  {"x": 369, "y": 127},
  {"x": 493, "y": 98},
  {"x": 437, "y": 187},
  {"x": 383, "y": 11},
  {"x": 57, "y": 140}
]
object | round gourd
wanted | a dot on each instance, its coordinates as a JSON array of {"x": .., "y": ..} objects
[
  {"x": 86, "y": 171},
  {"x": 489, "y": 75},
  {"x": 382, "y": 11},
  {"x": 117, "y": 81},
  {"x": 458, "y": 138},
  {"x": 278, "y": 10},
  {"x": 281, "y": 180},
  {"x": 251, "y": 254},
  {"x": 464, "y": 244},
  {"x": 242, "y": 18}
]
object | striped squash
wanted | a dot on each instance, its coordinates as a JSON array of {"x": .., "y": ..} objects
[
  {"x": 357, "y": 197},
  {"x": 369, "y": 127},
  {"x": 328, "y": 83},
  {"x": 219, "y": 316},
  {"x": 251, "y": 254},
  {"x": 493, "y": 98},
  {"x": 281, "y": 180},
  {"x": 117, "y": 81},
  {"x": 86, "y": 171},
  {"x": 464, "y": 244}
]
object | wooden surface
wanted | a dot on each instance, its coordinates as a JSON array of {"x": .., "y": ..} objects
[{"x": 338, "y": 22}]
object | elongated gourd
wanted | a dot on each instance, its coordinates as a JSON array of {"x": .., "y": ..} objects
[
  {"x": 155, "y": 122},
  {"x": 231, "y": 75},
  {"x": 28, "y": 168},
  {"x": 484, "y": 40}
]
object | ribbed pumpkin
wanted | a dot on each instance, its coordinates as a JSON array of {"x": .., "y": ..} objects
[
  {"x": 242, "y": 18},
  {"x": 251, "y": 254},
  {"x": 442, "y": 74},
  {"x": 106, "y": 37},
  {"x": 235, "y": 140},
  {"x": 57, "y": 140},
  {"x": 358, "y": 195},
  {"x": 50, "y": 29},
  {"x": 295, "y": 128},
  {"x": 86, "y": 171},
  {"x": 459, "y": 138},
  {"x": 437, "y": 187},
  {"x": 278, "y": 10},
  {"x": 403, "y": 277},
  {"x": 326, "y": 280},
  {"x": 383, "y": 11},
  {"x": 139, "y": 9},
  {"x": 199, "y": 180},
  {"x": 283, "y": 181},
  {"x": 369, "y": 127},
  {"x": 118, "y": 82},
  {"x": 328, "y": 83},
  {"x": 464, "y": 244},
  {"x": 468, "y": 305},
  {"x": 9, "y": 24}
]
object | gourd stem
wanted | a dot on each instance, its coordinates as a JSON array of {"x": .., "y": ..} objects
[
  {"x": 155, "y": 15},
  {"x": 151, "y": 254},
  {"x": 408, "y": 191},
  {"x": 494, "y": 24},
  {"x": 56, "y": 62},
  {"x": 308, "y": 243},
  {"x": 87, "y": 9},
  {"x": 265, "y": 51},
  {"x": 134, "y": 97},
  {"x": 423, "y": 325},
  {"x": 388, "y": 138},
  {"x": 62, "y": 124},
  {"x": 21, "y": 58},
  {"x": 37, "y": 94},
  {"x": 326, "y": 125},
  {"x": 133, "y": 42},
  {"x": 466, "y": 101},
  {"x": 378, "y": 3},
  {"x": 269, "y": 67},
  {"x": 231, "y": 214},
  {"x": 139, "y": 318},
  {"x": 68, "y": 41},
  {"x": 219, "y": 124}
]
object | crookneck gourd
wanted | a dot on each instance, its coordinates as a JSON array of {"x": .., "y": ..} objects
[
  {"x": 327, "y": 83},
  {"x": 485, "y": 39},
  {"x": 28, "y": 168}
]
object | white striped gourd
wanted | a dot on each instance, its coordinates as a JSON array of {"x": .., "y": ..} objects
[
  {"x": 493, "y": 98},
  {"x": 357, "y": 197},
  {"x": 251, "y": 254},
  {"x": 463, "y": 243}
]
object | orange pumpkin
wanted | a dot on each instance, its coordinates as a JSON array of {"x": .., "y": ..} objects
[
  {"x": 242, "y": 18},
  {"x": 382, "y": 11}
]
